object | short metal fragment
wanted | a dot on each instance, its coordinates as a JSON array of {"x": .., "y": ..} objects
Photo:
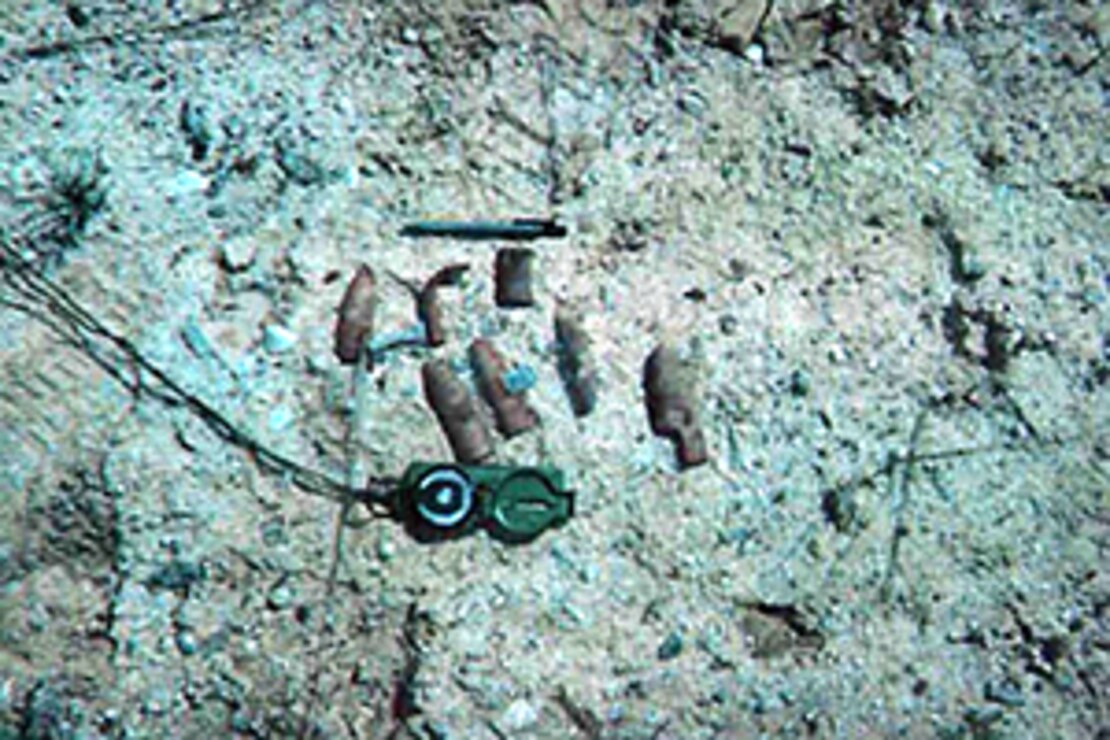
[
  {"x": 511, "y": 411},
  {"x": 355, "y": 324},
  {"x": 576, "y": 365},
  {"x": 457, "y": 411},
  {"x": 513, "y": 277},
  {"x": 670, "y": 408}
]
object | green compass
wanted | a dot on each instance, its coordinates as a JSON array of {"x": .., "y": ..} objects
[{"x": 515, "y": 504}]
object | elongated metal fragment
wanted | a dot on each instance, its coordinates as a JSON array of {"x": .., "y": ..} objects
[
  {"x": 671, "y": 408},
  {"x": 517, "y": 229},
  {"x": 355, "y": 324},
  {"x": 576, "y": 364},
  {"x": 457, "y": 411},
  {"x": 511, "y": 411}
]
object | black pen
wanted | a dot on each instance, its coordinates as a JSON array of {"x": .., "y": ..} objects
[{"x": 518, "y": 229}]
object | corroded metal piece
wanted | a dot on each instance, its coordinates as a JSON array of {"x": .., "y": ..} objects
[
  {"x": 513, "y": 277},
  {"x": 511, "y": 411},
  {"x": 457, "y": 411},
  {"x": 355, "y": 324},
  {"x": 671, "y": 409},
  {"x": 576, "y": 365},
  {"x": 427, "y": 303}
]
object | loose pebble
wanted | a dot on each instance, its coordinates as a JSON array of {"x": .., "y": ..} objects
[{"x": 277, "y": 339}]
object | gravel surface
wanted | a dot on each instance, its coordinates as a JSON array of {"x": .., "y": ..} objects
[{"x": 876, "y": 234}]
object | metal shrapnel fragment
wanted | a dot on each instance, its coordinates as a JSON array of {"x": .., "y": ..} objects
[
  {"x": 513, "y": 277},
  {"x": 576, "y": 365},
  {"x": 670, "y": 407},
  {"x": 355, "y": 324},
  {"x": 427, "y": 303},
  {"x": 457, "y": 411},
  {"x": 511, "y": 411}
]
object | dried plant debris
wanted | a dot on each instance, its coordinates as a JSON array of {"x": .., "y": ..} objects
[
  {"x": 842, "y": 511},
  {"x": 981, "y": 335},
  {"x": 78, "y": 188},
  {"x": 299, "y": 162},
  {"x": 576, "y": 363},
  {"x": 582, "y": 717},
  {"x": 355, "y": 325},
  {"x": 416, "y": 632},
  {"x": 72, "y": 190},
  {"x": 457, "y": 411},
  {"x": 668, "y": 388},
  {"x": 511, "y": 411},
  {"x": 513, "y": 277},
  {"x": 73, "y": 522},
  {"x": 196, "y": 127},
  {"x": 56, "y": 707}
]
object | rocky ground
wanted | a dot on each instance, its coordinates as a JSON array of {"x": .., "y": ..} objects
[{"x": 876, "y": 232}]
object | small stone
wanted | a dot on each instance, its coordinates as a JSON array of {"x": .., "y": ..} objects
[
  {"x": 520, "y": 715},
  {"x": 738, "y": 537},
  {"x": 186, "y": 642},
  {"x": 186, "y": 182},
  {"x": 670, "y": 648},
  {"x": 982, "y": 717},
  {"x": 280, "y": 597},
  {"x": 841, "y": 511},
  {"x": 193, "y": 121},
  {"x": 728, "y": 324},
  {"x": 518, "y": 378},
  {"x": 1006, "y": 692},
  {"x": 693, "y": 103},
  {"x": 280, "y": 418},
  {"x": 278, "y": 339},
  {"x": 299, "y": 166},
  {"x": 932, "y": 17},
  {"x": 238, "y": 254},
  {"x": 273, "y": 533},
  {"x": 739, "y": 23},
  {"x": 197, "y": 340},
  {"x": 178, "y": 575},
  {"x": 387, "y": 549},
  {"x": 799, "y": 383}
]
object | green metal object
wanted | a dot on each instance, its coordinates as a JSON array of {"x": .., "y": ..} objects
[{"x": 515, "y": 504}]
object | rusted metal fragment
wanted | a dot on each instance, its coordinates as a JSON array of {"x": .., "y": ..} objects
[
  {"x": 427, "y": 302},
  {"x": 513, "y": 277},
  {"x": 355, "y": 324},
  {"x": 511, "y": 411},
  {"x": 457, "y": 411},
  {"x": 671, "y": 408},
  {"x": 576, "y": 365}
]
